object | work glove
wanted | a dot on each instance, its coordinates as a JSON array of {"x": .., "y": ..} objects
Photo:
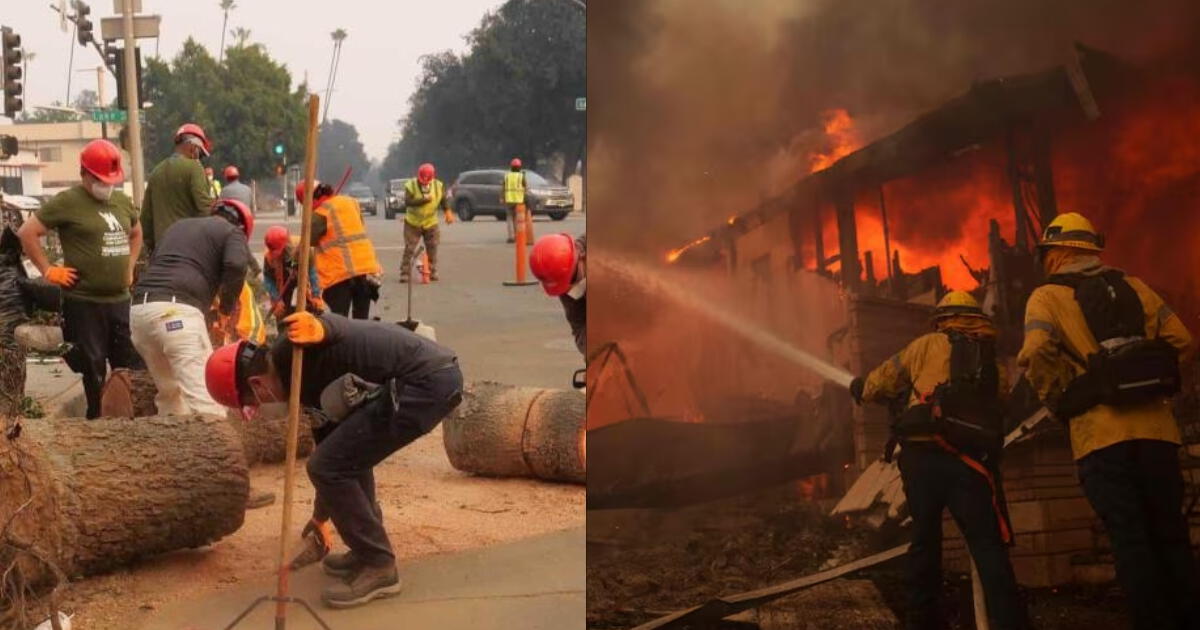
[
  {"x": 64, "y": 277},
  {"x": 856, "y": 389},
  {"x": 317, "y": 305},
  {"x": 304, "y": 329},
  {"x": 345, "y": 394},
  {"x": 318, "y": 542},
  {"x": 449, "y": 216}
]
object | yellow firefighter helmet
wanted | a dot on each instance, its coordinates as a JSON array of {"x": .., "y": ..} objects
[
  {"x": 958, "y": 303},
  {"x": 1072, "y": 229}
]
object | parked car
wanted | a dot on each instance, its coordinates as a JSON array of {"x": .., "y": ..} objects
[
  {"x": 479, "y": 192},
  {"x": 394, "y": 203},
  {"x": 364, "y": 196}
]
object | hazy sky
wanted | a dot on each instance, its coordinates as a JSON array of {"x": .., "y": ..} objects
[{"x": 376, "y": 74}]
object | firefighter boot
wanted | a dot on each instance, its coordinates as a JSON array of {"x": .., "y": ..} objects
[{"x": 364, "y": 585}]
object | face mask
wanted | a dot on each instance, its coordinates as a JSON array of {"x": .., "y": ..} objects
[
  {"x": 102, "y": 191},
  {"x": 578, "y": 290}
]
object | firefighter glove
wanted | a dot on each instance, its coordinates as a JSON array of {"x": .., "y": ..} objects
[
  {"x": 304, "y": 329},
  {"x": 61, "y": 276},
  {"x": 856, "y": 389},
  {"x": 449, "y": 217}
]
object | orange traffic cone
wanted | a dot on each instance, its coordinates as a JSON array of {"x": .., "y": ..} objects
[
  {"x": 528, "y": 228},
  {"x": 424, "y": 267},
  {"x": 523, "y": 233}
]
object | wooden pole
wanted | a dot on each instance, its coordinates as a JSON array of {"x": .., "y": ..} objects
[
  {"x": 981, "y": 615},
  {"x": 132, "y": 105},
  {"x": 289, "y": 479},
  {"x": 887, "y": 241}
]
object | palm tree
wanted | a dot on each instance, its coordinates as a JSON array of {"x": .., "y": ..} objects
[
  {"x": 338, "y": 37},
  {"x": 226, "y": 7},
  {"x": 241, "y": 36}
]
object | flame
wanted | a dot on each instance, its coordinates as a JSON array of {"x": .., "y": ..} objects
[
  {"x": 841, "y": 136},
  {"x": 674, "y": 254}
]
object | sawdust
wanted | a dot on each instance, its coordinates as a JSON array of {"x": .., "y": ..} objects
[{"x": 429, "y": 508}]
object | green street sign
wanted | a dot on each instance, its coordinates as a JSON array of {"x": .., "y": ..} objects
[
  {"x": 581, "y": 104},
  {"x": 109, "y": 115}
]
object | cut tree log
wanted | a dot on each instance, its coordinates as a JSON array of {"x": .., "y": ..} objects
[
  {"x": 39, "y": 337},
  {"x": 505, "y": 431},
  {"x": 130, "y": 394},
  {"x": 97, "y": 495}
]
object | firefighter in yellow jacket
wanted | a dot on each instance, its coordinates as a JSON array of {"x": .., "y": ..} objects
[
  {"x": 1102, "y": 350},
  {"x": 950, "y": 387},
  {"x": 513, "y": 195},
  {"x": 347, "y": 268}
]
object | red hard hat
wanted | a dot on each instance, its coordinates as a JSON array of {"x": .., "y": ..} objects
[
  {"x": 243, "y": 213},
  {"x": 553, "y": 261},
  {"x": 220, "y": 375},
  {"x": 276, "y": 238},
  {"x": 102, "y": 159},
  {"x": 515, "y": 163},
  {"x": 320, "y": 191},
  {"x": 192, "y": 129},
  {"x": 426, "y": 173},
  {"x": 231, "y": 173}
]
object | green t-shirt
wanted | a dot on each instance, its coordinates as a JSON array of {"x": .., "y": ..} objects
[
  {"x": 176, "y": 189},
  {"x": 95, "y": 241}
]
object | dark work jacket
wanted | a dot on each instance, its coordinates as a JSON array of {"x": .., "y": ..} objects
[
  {"x": 375, "y": 351},
  {"x": 194, "y": 260},
  {"x": 576, "y": 311}
]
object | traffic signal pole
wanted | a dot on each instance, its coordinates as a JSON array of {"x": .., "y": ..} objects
[
  {"x": 132, "y": 102},
  {"x": 103, "y": 101}
]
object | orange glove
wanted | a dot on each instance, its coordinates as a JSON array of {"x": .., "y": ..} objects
[
  {"x": 62, "y": 276},
  {"x": 304, "y": 329},
  {"x": 318, "y": 305},
  {"x": 450, "y": 218}
]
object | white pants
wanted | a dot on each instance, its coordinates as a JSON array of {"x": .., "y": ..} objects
[{"x": 173, "y": 340}]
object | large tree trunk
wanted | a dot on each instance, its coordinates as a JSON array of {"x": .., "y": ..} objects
[
  {"x": 509, "y": 431},
  {"x": 130, "y": 394},
  {"x": 104, "y": 493}
]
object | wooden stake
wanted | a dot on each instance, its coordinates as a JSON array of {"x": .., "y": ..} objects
[
  {"x": 981, "y": 615},
  {"x": 289, "y": 479}
]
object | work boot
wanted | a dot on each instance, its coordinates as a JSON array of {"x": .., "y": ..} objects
[
  {"x": 433, "y": 277},
  {"x": 341, "y": 565},
  {"x": 259, "y": 498},
  {"x": 367, "y": 584},
  {"x": 317, "y": 541}
]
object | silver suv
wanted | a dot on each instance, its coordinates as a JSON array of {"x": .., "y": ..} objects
[{"x": 479, "y": 192}]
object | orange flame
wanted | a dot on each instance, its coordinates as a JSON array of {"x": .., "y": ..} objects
[
  {"x": 842, "y": 138},
  {"x": 674, "y": 254}
]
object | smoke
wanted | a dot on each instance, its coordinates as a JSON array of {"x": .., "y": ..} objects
[{"x": 703, "y": 108}]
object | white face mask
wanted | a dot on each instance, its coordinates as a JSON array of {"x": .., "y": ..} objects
[
  {"x": 578, "y": 290},
  {"x": 102, "y": 191}
]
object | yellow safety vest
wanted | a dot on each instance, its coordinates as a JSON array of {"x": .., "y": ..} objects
[
  {"x": 423, "y": 216},
  {"x": 249, "y": 318},
  {"x": 514, "y": 187},
  {"x": 344, "y": 251}
]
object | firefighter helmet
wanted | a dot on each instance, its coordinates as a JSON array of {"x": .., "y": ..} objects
[
  {"x": 515, "y": 164},
  {"x": 192, "y": 129},
  {"x": 102, "y": 159},
  {"x": 1072, "y": 229},
  {"x": 276, "y": 238},
  {"x": 426, "y": 173},
  {"x": 958, "y": 303},
  {"x": 231, "y": 173},
  {"x": 236, "y": 210}
]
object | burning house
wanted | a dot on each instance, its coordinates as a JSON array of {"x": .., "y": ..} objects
[{"x": 957, "y": 199}]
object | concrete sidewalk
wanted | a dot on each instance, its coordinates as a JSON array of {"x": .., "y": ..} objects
[{"x": 533, "y": 584}]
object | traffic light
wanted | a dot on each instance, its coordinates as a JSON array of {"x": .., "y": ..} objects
[
  {"x": 10, "y": 69},
  {"x": 112, "y": 59},
  {"x": 83, "y": 25},
  {"x": 119, "y": 70},
  {"x": 279, "y": 169},
  {"x": 279, "y": 148}
]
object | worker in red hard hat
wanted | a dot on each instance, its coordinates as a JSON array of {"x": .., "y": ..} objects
[
  {"x": 423, "y": 197},
  {"x": 101, "y": 237},
  {"x": 374, "y": 387},
  {"x": 235, "y": 189},
  {"x": 348, "y": 270},
  {"x": 513, "y": 195},
  {"x": 177, "y": 188},
  {"x": 558, "y": 261},
  {"x": 200, "y": 259},
  {"x": 280, "y": 264}
]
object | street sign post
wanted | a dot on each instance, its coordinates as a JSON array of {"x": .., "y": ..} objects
[{"x": 581, "y": 104}]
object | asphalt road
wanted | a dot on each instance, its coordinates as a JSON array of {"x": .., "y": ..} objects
[{"x": 515, "y": 335}]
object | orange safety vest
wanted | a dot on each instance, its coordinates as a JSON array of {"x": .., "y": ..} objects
[
  {"x": 344, "y": 251},
  {"x": 247, "y": 317}
]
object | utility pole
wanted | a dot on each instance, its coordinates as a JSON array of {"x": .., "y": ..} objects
[
  {"x": 132, "y": 104},
  {"x": 100, "y": 95}
]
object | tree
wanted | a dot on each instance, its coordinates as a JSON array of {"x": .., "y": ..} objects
[
  {"x": 226, "y": 7},
  {"x": 245, "y": 105},
  {"x": 338, "y": 149},
  {"x": 241, "y": 36},
  {"x": 512, "y": 95},
  {"x": 338, "y": 36}
]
